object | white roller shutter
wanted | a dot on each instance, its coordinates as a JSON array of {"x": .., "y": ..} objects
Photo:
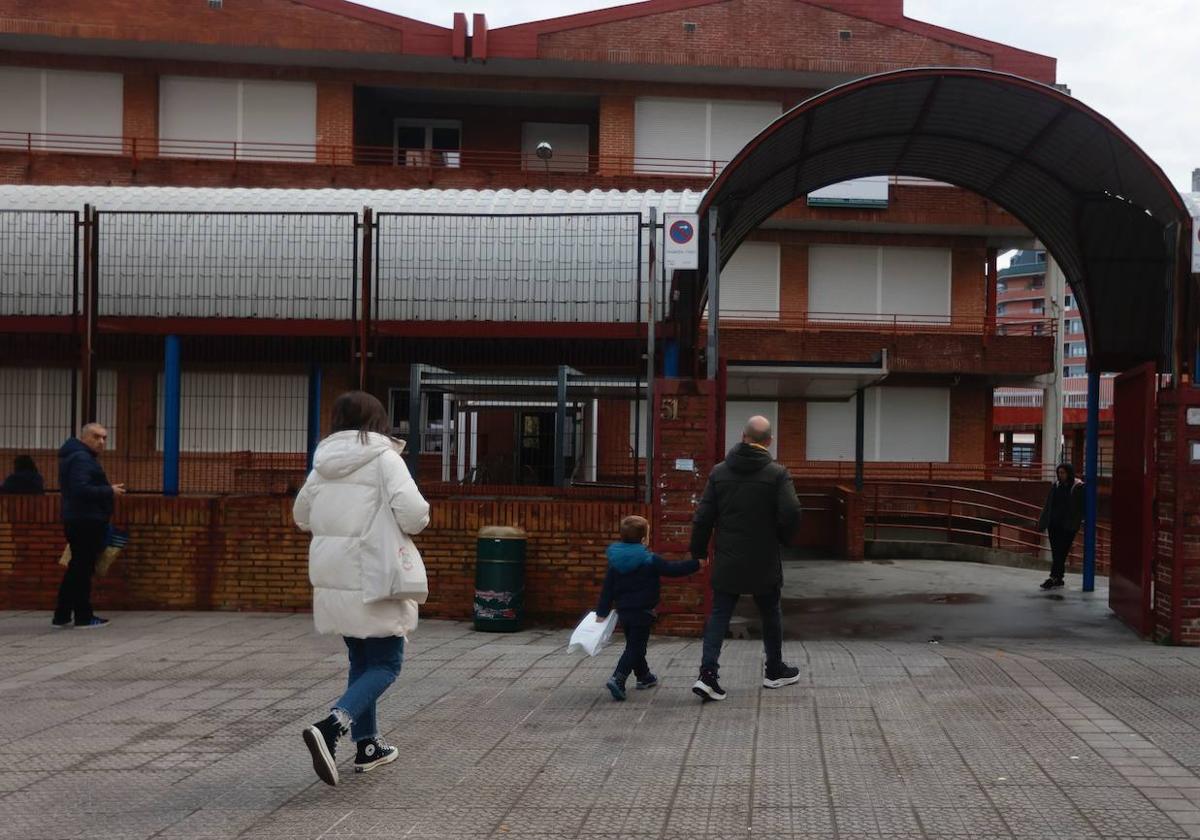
[
  {"x": 916, "y": 284},
  {"x": 914, "y": 424},
  {"x": 571, "y": 144},
  {"x": 199, "y": 110},
  {"x": 37, "y": 413},
  {"x": 281, "y": 115},
  {"x": 736, "y": 415},
  {"x": 669, "y": 130},
  {"x": 90, "y": 104},
  {"x": 843, "y": 282},
  {"x": 750, "y": 282},
  {"x": 239, "y": 412},
  {"x": 269, "y": 120},
  {"x": 830, "y": 429},
  {"x": 21, "y": 94},
  {"x": 734, "y": 124}
]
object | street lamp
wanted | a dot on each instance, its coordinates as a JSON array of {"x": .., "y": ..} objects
[{"x": 545, "y": 151}]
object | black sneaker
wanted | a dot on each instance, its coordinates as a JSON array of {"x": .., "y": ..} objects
[
  {"x": 373, "y": 753},
  {"x": 777, "y": 676},
  {"x": 616, "y": 687},
  {"x": 707, "y": 688},
  {"x": 1052, "y": 583},
  {"x": 648, "y": 681},
  {"x": 92, "y": 623},
  {"x": 321, "y": 739}
]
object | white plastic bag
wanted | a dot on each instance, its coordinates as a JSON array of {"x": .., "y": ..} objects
[
  {"x": 591, "y": 635},
  {"x": 391, "y": 569}
]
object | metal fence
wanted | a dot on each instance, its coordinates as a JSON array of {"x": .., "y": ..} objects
[
  {"x": 542, "y": 267},
  {"x": 274, "y": 314}
]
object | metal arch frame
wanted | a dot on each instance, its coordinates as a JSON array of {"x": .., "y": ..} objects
[{"x": 1169, "y": 209}]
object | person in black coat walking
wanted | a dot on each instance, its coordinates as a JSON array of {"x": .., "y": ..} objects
[
  {"x": 632, "y": 584},
  {"x": 24, "y": 479},
  {"x": 751, "y": 503},
  {"x": 87, "y": 506},
  {"x": 1061, "y": 518}
]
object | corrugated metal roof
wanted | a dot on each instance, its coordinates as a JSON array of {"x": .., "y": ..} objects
[
  {"x": 1096, "y": 200},
  {"x": 500, "y": 202}
]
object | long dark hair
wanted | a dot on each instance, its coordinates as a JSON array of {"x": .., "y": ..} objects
[
  {"x": 360, "y": 412},
  {"x": 23, "y": 463}
]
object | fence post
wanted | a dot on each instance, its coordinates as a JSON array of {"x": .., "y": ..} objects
[
  {"x": 560, "y": 430},
  {"x": 172, "y": 376},
  {"x": 950, "y": 516},
  {"x": 87, "y": 371},
  {"x": 364, "y": 320},
  {"x": 314, "y": 409},
  {"x": 414, "y": 419},
  {"x": 712, "y": 347},
  {"x": 651, "y": 316},
  {"x": 860, "y": 415}
]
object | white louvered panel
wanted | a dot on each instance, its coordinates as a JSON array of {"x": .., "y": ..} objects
[
  {"x": 843, "y": 282},
  {"x": 279, "y": 120},
  {"x": 198, "y": 109},
  {"x": 734, "y": 124},
  {"x": 89, "y": 104},
  {"x": 916, "y": 284},
  {"x": 570, "y": 141},
  {"x": 667, "y": 130},
  {"x": 750, "y": 282},
  {"x": 914, "y": 424}
]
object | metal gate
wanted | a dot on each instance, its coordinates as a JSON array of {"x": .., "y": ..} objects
[{"x": 1130, "y": 587}]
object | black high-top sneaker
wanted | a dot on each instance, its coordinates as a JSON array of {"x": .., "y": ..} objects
[
  {"x": 373, "y": 753},
  {"x": 707, "y": 688},
  {"x": 321, "y": 739},
  {"x": 779, "y": 675}
]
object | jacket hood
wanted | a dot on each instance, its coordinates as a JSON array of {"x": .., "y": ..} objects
[
  {"x": 72, "y": 446},
  {"x": 1070, "y": 473},
  {"x": 745, "y": 458},
  {"x": 344, "y": 452},
  {"x": 625, "y": 557}
]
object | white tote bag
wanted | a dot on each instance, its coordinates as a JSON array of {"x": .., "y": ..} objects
[
  {"x": 591, "y": 635},
  {"x": 392, "y": 567}
]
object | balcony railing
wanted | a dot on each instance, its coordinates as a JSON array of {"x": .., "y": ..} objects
[
  {"x": 891, "y": 323},
  {"x": 137, "y": 148}
]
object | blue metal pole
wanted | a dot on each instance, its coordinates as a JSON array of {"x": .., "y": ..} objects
[
  {"x": 671, "y": 358},
  {"x": 1092, "y": 477},
  {"x": 314, "y": 410},
  {"x": 172, "y": 375}
]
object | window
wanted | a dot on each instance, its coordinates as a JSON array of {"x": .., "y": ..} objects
[
  {"x": 1078, "y": 349},
  {"x": 1075, "y": 325},
  {"x": 240, "y": 412},
  {"x": 1001, "y": 286},
  {"x": 36, "y": 411},
  {"x": 1038, "y": 283},
  {"x": 247, "y": 119},
  {"x": 750, "y": 282},
  {"x": 1001, "y": 308},
  {"x": 421, "y": 142},
  {"x": 1038, "y": 307},
  {"x": 671, "y": 133},
  {"x": 1068, "y": 302},
  {"x": 433, "y": 417},
  {"x": 1074, "y": 371},
  {"x": 62, "y": 102},
  {"x": 866, "y": 283},
  {"x": 900, "y": 424}
]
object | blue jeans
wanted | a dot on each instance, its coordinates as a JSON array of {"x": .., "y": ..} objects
[
  {"x": 718, "y": 625},
  {"x": 374, "y": 665}
]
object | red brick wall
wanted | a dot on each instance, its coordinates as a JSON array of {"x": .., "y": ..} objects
[
  {"x": 1177, "y": 554},
  {"x": 244, "y": 553},
  {"x": 616, "y": 135},
  {"x": 335, "y": 119},
  {"x": 774, "y": 34},
  {"x": 140, "y": 121}
]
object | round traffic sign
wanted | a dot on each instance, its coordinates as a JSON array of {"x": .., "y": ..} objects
[{"x": 681, "y": 232}]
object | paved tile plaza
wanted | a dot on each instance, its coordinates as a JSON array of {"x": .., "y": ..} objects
[{"x": 187, "y": 726}]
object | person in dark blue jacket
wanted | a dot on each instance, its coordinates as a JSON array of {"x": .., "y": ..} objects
[
  {"x": 24, "y": 478},
  {"x": 87, "y": 505},
  {"x": 632, "y": 585}
]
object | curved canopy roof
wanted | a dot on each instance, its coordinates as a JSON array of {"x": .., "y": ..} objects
[{"x": 1103, "y": 209}]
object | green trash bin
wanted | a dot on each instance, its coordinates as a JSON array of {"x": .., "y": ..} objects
[{"x": 499, "y": 579}]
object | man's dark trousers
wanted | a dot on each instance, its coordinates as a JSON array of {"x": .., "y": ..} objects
[
  {"x": 717, "y": 627},
  {"x": 86, "y": 538}
]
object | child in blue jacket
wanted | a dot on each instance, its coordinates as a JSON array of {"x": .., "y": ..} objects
[{"x": 632, "y": 584}]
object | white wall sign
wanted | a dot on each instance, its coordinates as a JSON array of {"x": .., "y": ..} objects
[
  {"x": 681, "y": 241},
  {"x": 685, "y": 464},
  {"x": 1193, "y": 416}
]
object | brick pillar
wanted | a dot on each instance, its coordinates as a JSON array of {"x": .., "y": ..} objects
[
  {"x": 140, "y": 122},
  {"x": 1177, "y": 556},
  {"x": 335, "y": 122},
  {"x": 616, "y": 135},
  {"x": 685, "y": 453}
]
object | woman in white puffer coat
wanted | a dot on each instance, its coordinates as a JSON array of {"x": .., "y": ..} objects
[{"x": 356, "y": 470}]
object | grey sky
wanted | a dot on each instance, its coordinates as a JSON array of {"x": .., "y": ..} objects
[{"x": 1134, "y": 62}]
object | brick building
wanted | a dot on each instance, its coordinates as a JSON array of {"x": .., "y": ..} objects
[{"x": 325, "y": 94}]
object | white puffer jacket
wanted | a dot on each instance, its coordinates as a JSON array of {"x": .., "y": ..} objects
[{"x": 337, "y": 504}]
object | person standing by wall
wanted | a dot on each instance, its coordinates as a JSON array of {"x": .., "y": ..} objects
[
  {"x": 87, "y": 506},
  {"x": 1061, "y": 518},
  {"x": 751, "y": 502},
  {"x": 357, "y": 470},
  {"x": 24, "y": 479}
]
